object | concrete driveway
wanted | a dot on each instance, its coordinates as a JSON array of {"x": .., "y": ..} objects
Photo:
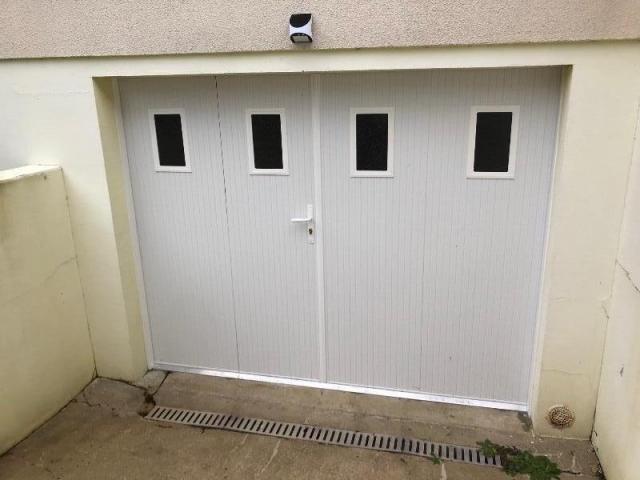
[{"x": 101, "y": 435}]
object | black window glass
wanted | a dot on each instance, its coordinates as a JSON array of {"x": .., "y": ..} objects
[
  {"x": 493, "y": 137},
  {"x": 267, "y": 141},
  {"x": 169, "y": 138},
  {"x": 372, "y": 130}
]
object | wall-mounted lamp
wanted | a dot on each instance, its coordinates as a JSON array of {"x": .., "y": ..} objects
[{"x": 300, "y": 28}]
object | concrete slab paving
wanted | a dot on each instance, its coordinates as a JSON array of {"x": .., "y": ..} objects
[{"x": 101, "y": 435}]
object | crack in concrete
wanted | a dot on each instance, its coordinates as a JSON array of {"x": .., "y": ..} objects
[
  {"x": 52, "y": 274},
  {"x": 628, "y": 275},
  {"x": 569, "y": 472},
  {"x": 161, "y": 383},
  {"x": 49, "y": 471},
  {"x": 148, "y": 401},
  {"x": 139, "y": 387},
  {"x": 273, "y": 455},
  {"x": 574, "y": 464},
  {"x": 39, "y": 466},
  {"x": 84, "y": 401},
  {"x": 149, "y": 397},
  {"x": 238, "y": 446}
]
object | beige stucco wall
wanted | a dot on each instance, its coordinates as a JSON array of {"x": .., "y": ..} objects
[
  {"x": 616, "y": 433},
  {"x": 56, "y": 111},
  {"x": 141, "y": 27},
  {"x": 51, "y": 118},
  {"x": 45, "y": 350},
  {"x": 594, "y": 155},
  {"x": 130, "y": 336}
]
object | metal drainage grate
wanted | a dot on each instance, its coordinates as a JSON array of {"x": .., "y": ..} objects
[{"x": 332, "y": 436}]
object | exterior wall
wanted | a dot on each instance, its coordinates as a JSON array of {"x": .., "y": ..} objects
[
  {"x": 593, "y": 161},
  {"x": 51, "y": 107},
  {"x": 45, "y": 349},
  {"x": 148, "y": 27},
  {"x": 126, "y": 339},
  {"x": 617, "y": 425},
  {"x": 52, "y": 119}
]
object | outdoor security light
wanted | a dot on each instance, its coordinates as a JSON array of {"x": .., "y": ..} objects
[{"x": 300, "y": 28}]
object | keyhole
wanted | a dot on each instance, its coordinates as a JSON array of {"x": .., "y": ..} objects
[{"x": 310, "y": 231}]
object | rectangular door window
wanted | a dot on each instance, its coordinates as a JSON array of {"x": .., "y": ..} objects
[
  {"x": 371, "y": 142},
  {"x": 492, "y": 146},
  {"x": 267, "y": 142},
  {"x": 169, "y": 141}
]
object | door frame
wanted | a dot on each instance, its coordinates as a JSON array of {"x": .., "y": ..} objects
[
  {"x": 317, "y": 170},
  {"x": 133, "y": 225}
]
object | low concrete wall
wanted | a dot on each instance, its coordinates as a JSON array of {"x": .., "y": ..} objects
[
  {"x": 616, "y": 433},
  {"x": 45, "y": 349}
]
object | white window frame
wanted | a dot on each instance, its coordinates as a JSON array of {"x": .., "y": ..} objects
[
  {"x": 390, "y": 111},
  {"x": 513, "y": 142},
  {"x": 154, "y": 140},
  {"x": 283, "y": 134}
]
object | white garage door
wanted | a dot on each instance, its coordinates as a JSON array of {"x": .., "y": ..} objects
[{"x": 419, "y": 268}]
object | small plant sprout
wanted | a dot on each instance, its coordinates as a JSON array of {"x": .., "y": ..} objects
[{"x": 521, "y": 462}]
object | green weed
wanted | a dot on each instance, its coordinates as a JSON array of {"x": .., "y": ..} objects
[{"x": 517, "y": 462}]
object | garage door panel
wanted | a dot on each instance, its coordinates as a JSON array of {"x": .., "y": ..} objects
[
  {"x": 431, "y": 278},
  {"x": 181, "y": 222},
  {"x": 488, "y": 236},
  {"x": 273, "y": 263},
  {"x": 434, "y": 274},
  {"x": 372, "y": 236}
]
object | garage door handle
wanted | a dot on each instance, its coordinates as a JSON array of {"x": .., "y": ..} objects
[{"x": 307, "y": 219}]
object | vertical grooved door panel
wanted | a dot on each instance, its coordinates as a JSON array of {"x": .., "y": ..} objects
[
  {"x": 182, "y": 225},
  {"x": 432, "y": 278},
  {"x": 274, "y": 274}
]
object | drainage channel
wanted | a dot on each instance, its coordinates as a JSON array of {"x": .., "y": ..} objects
[{"x": 330, "y": 436}]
